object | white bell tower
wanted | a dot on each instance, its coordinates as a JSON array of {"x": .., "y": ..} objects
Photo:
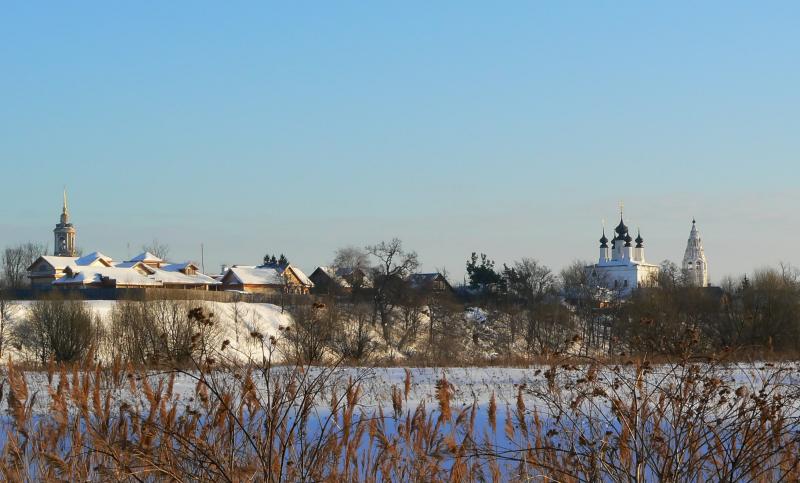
[{"x": 695, "y": 264}]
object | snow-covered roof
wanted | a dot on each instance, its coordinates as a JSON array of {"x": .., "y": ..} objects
[
  {"x": 177, "y": 267},
  {"x": 300, "y": 276},
  {"x": 87, "y": 275},
  {"x": 257, "y": 275},
  {"x": 126, "y": 264},
  {"x": 93, "y": 258},
  {"x": 145, "y": 257},
  {"x": 271, "y": 274},
  {"x": 177, "y": 277},
  {"x": 92, "y": 268},
  {"x": 59, "y": 263}
]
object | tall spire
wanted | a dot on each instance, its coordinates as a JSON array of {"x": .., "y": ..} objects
[{"x": 64, "y": 210}]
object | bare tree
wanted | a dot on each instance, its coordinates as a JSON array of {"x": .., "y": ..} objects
[
  {"x": 529, "y": 280},
  {"x": 394, "y": 264},
  {"x": 351, "y": 258},
  {"x": 352, "y": 264},
  {"x": 311, "y": 334},
  {"x": 7, "y": 309},
  {"x": 354, "y": 340},
  {"x": 17, "y": 259},
  {"x": 161, "y": 250}
]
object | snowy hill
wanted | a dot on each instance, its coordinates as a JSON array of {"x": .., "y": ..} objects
[{"x": 235, "y": 320}]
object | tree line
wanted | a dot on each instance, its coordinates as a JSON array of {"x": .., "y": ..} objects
[{"x": 519, "y": 311}]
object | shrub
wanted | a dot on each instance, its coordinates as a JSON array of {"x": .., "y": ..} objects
[{"x": 62, "y": 329}]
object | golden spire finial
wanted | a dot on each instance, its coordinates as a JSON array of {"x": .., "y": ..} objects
[
  {"x": 621, "y": 208},
  {"x": 65, "y": 199}
]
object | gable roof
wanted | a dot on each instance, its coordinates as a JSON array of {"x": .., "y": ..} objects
[
  {"x": 344, "y": 277},
  {"x": 86, "y": 275},
  {"x": 57, "y": 263},
  {"x": 421, "y": 280},
  {"x": 254, "y": 275},
  {"x": 334, "y": 275},
  {"x": 177, "y": 267},
  {"x": 264, "y": 275},
  {"x": 300, "y": 276},
  {"x": 93, "y": 258},
  {"x": 145, "y": 257},
  {"x": 329, "y": 274},
  {"x": 178, "y": 277}
]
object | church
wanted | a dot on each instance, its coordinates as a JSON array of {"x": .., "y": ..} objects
[{"x": 622, "y": 268}]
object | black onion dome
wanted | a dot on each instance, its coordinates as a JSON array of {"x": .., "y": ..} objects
[
  {"x": 628, "y": 240},
  {"x": 604, "y": 240},
  {"x": 621, "y": 229},
  {"x": 639, "y": 240}
]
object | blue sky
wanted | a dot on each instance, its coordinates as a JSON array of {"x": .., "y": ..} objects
[{"x": 510, "y": 128}]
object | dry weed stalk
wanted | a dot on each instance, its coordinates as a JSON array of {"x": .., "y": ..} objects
[{"x": 261, "y": 421}]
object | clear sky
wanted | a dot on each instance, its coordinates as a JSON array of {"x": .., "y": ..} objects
[{"x": 503, "y": 127}]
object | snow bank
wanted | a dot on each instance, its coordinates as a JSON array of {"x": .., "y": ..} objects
[{"x": 235, "y": 320}]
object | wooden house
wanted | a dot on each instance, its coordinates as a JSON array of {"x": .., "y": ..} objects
[
  {"x": 47, "y": 269},
  {"x": 328, "y": 280},
  {"x": 429, "y": 282},
  {"x": 268, "y": 279}
]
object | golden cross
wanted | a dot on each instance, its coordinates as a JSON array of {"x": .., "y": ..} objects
[{"x": 621, "y": 207}]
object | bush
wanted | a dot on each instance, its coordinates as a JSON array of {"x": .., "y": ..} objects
[
  {"x": 57, "y": 328},
  {"x": 157, "y": 331}
]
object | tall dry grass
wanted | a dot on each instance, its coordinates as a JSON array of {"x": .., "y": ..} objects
[{"x": 579, "y": 421}]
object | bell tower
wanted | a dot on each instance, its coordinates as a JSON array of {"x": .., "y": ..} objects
[
  {"x": 64, "y": 234},
  {"x": 695, "y": 264}
]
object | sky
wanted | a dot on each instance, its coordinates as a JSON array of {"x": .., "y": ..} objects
[{"x": 510, "y": 128}]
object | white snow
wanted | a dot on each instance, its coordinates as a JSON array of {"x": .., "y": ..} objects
[
  {"x": 145, "y": 257},
  {"x": 257, "y": 275},
  {"x": 235, "y": 320}
]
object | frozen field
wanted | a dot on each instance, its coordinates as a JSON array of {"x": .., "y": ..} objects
[{"x": 470, "y": 384}]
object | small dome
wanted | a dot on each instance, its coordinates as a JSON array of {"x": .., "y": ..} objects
[
  {"x": 628, "y": 240},
  {"x": 639, "y": 240},
  {"x": 604, "y": 240}
]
